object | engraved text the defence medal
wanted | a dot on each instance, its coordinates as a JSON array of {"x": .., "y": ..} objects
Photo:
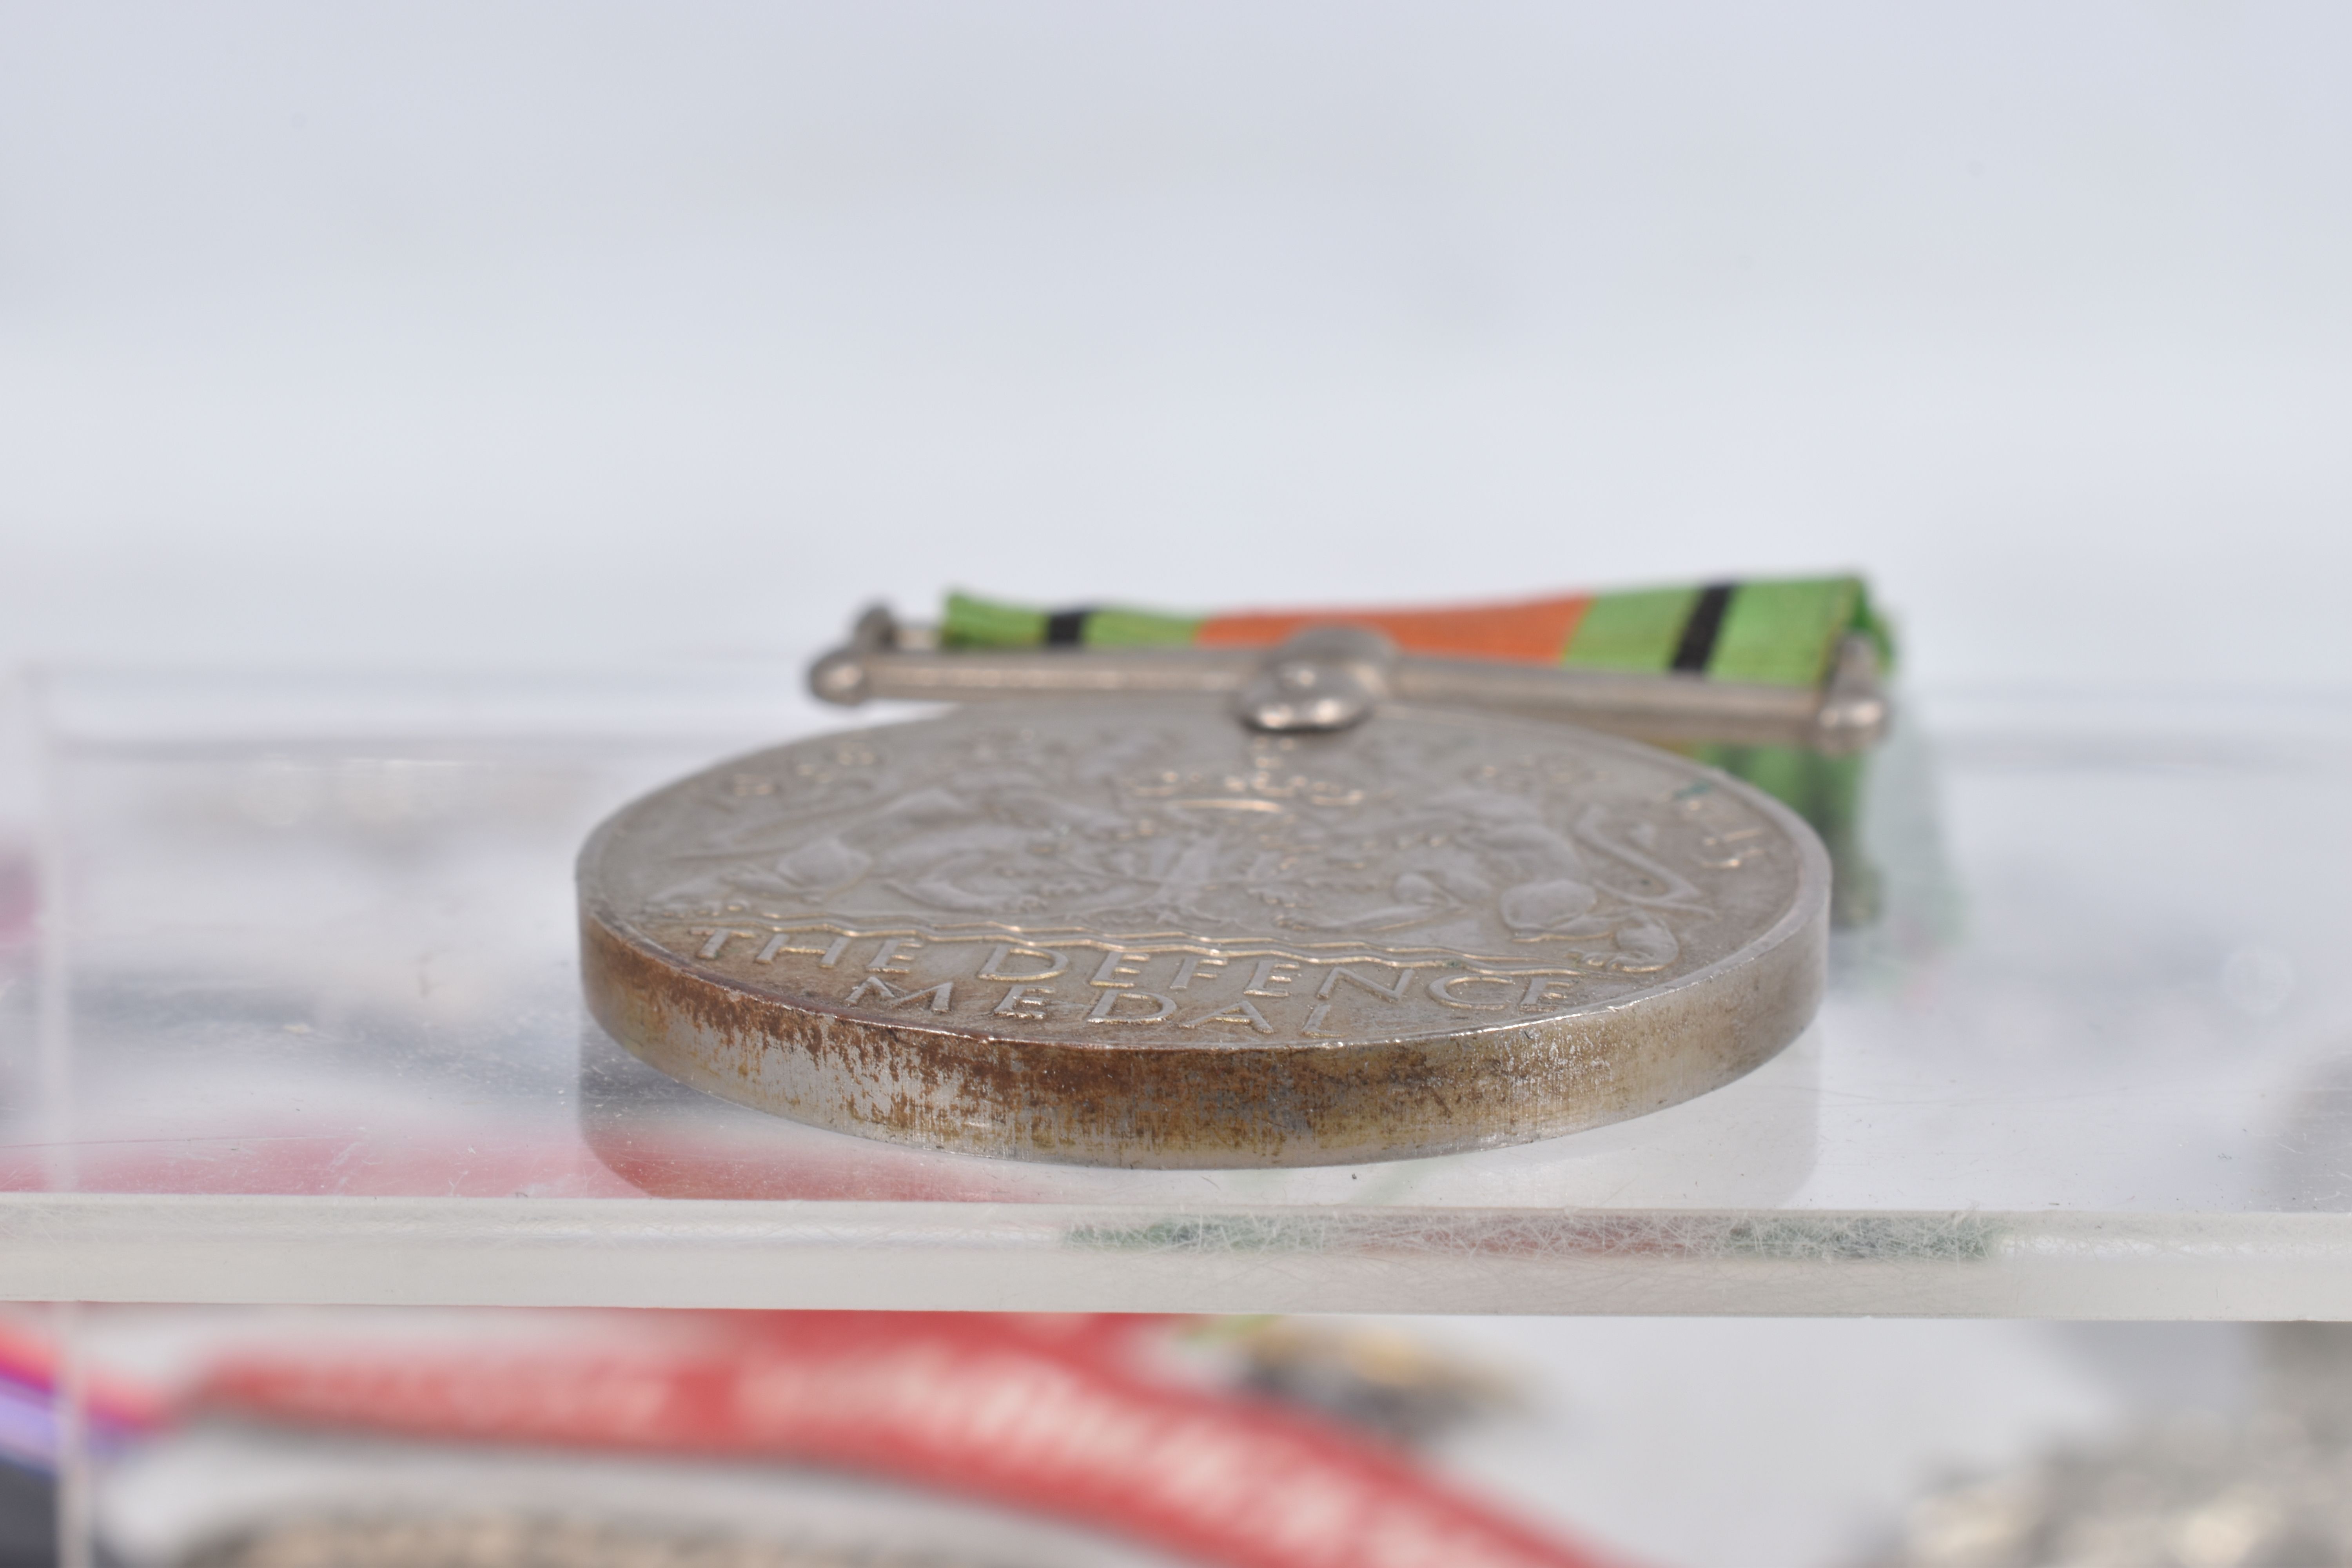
[{"x": 1149, "y": 936}]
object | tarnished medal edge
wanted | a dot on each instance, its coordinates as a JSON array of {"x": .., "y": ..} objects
[
  {"x": 739, "y": 1025},
  {"x": 1253, "y": 1105}
]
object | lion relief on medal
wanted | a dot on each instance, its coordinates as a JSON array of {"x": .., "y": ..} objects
[{"x": 1401, "y": 840}]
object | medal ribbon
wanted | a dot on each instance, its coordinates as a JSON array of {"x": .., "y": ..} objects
[
  {"x": 1767, "y": 631},
  {"x": 1024, "y": 1412}
]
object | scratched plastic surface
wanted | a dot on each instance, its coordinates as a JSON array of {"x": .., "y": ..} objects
[{"x": 291, "y": 1014}]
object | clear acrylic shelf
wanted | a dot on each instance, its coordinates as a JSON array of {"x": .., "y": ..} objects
[{"x": 290, "y": 1015}]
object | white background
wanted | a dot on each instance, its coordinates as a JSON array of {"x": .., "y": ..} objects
[{"x": 529, "y": 334}]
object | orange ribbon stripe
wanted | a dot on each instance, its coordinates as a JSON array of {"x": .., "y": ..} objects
[{"x": 1536, "y": 632}]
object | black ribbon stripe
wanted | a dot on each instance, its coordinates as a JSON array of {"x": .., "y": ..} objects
[
  {"x": 1705, "y": 624},
  {"x": 1067, "y": 628}
]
